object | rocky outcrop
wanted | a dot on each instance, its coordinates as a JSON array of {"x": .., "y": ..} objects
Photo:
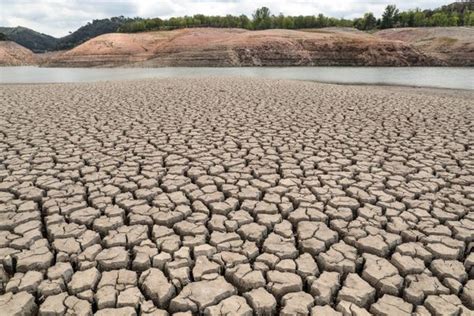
[
  {"x": 454, "y": 46},
  {"x": 237, "y": 47}
]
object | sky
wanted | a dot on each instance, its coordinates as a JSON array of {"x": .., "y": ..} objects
[{"x": 59, "y": 17}]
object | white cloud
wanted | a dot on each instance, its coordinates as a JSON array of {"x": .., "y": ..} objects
[{"x": 58, "y": 17}]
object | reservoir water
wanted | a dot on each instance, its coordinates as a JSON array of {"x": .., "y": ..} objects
[{"x": 445, "y": 77}]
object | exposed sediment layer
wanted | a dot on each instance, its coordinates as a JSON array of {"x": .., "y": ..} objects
[
  {"x": 241, "y": 196},
  {"x": 237, "y": 47},
  {"x": 451, "y": 45},
  {"x": 13, "y": 54}
]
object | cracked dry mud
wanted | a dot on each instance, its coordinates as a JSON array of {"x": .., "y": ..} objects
[{"x": 226, "y": 196}]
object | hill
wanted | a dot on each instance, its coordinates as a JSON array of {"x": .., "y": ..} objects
[
  {"x": 459, "y": 7},
  {"x": 455, "y": 14},
  {"x": 35, "y": 41},
  {"x": 452, "y": 45},
  {"x": 13, "y": 54},
  {"x": 39, "y": 42},
  {"x": 238, "y": 47},
  {"x": 90, "y": 30}
]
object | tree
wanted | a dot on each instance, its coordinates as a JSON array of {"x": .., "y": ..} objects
[
  {"x": 469, "y": 18},
  {"x": 309, "y": 21},
  {"x": 278, "y": 21},
  {"x": 299, "y": 22},
  {"x": 153, "y": 24},
  {"x": 245, "y": 22},
  {"x": 454, "y": 19},
  {"x": 3, "y": 37},
  {"x": 261, "y": 19},
  {"x": 321, "y": 21},
  {"x": 419, "y": 18},
  {"x": 368, "y": 22},
  {"x": 289, "y": 23},
  {"x": 439, "y": 19},
  {"x": 389, "y": 17},
  {"x": 407, "y": 18},
  {"x": 457, "y": 14}
]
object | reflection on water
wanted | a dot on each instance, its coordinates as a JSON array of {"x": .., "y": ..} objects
[{"x": 452, "y": 77}]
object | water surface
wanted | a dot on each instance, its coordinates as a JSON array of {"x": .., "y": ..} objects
[{"x": 445, "y": 77}]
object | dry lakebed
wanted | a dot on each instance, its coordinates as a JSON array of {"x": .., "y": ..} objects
[{"x": 235, "y": 196}]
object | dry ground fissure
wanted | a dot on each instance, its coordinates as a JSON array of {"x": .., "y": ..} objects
[{"x": 235, "y": 196}]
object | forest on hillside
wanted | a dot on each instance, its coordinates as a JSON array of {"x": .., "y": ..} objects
[
  {"x": 39, "y": 42},
  {"x": 90, "y": 30},
  {"x": 455, "y": 14}
]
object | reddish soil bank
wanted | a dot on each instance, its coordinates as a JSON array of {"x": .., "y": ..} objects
[{"x": 237, "y": 47}]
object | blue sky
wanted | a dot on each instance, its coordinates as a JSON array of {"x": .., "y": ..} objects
[{"x": 59, "y": 17}]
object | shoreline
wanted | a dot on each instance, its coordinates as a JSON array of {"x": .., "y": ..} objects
[
  {"x": 355, "y": 84},
  {"x": 131, "y": 66}
]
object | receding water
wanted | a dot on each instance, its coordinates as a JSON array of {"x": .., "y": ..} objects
[{"x": 446, "y": 77}]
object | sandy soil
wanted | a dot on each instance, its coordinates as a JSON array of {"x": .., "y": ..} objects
[
  {"x": 237, "y": 47},
  {"x": 243, "y": 196},
  {"x": 453, "y": 45},
  {"x": 13, "y": 54}
]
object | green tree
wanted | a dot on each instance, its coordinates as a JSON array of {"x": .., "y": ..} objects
[
  {"x": 419, "y": 18},
  {"x": 278, "y": 21},
  {"x": 407, "y": 18},
  {"x": 454, "y": 19},
  {"x": 469, "y": 19},
  {"x": 299, "y": 22},
  {"x": 245, "y": 22},
  {"x": 439, "y": 19},
  {"x": 137, "y": 25},
  {"x": 288, "y": 22},
  {"x": 309, "y": 21},
  {"x": 368, "y": 22},
  {"x": 389, "y": 17},
  {"x": 322, "y": 21},
  {"x": 456, "y": 14},
  {"x": 261, "y": 18},
  {"x": 153, "y": 24}
]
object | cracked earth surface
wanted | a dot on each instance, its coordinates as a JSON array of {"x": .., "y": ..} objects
[{"x": 225, "y": 196}]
